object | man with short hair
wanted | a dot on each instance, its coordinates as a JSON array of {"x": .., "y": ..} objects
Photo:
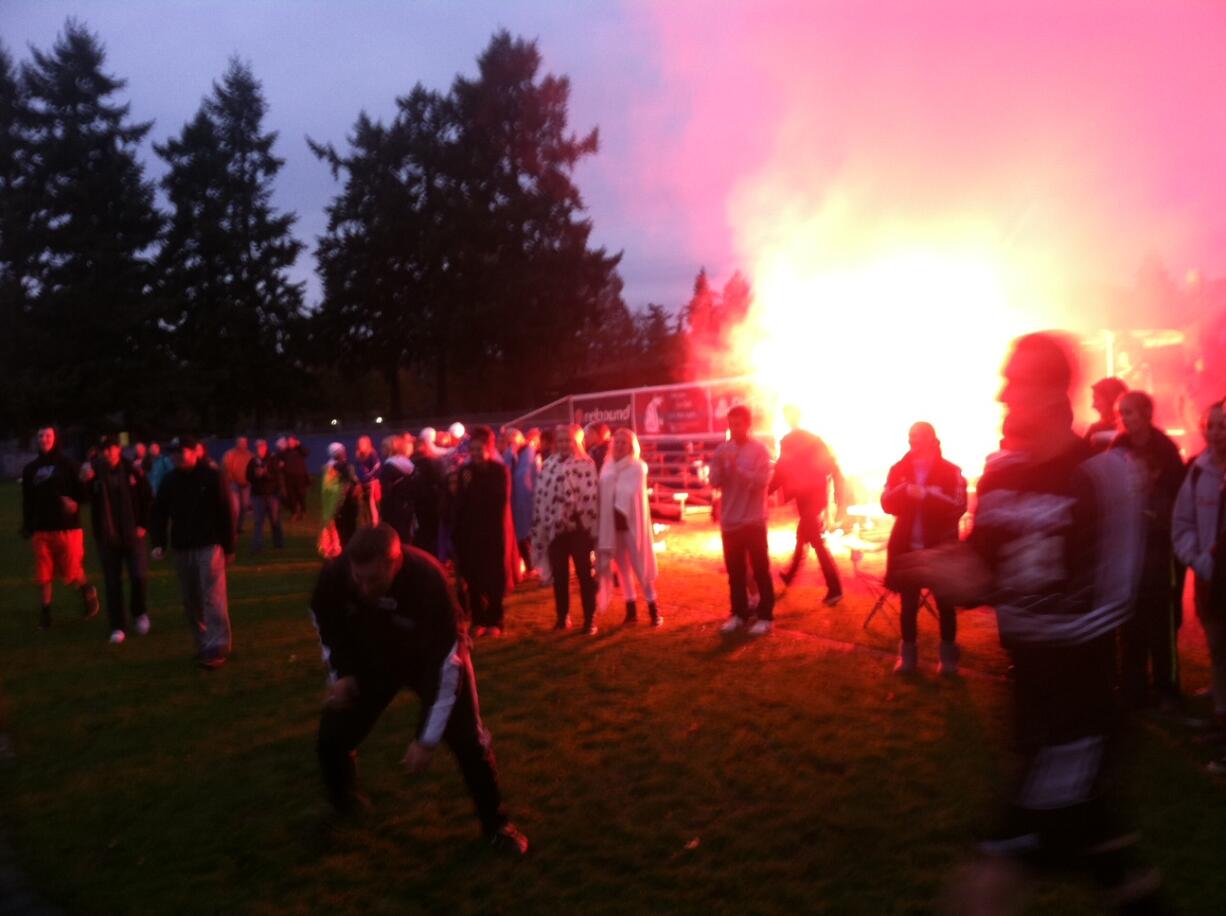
[
  {"x": 1105, "y": 392},
  {"x": 297, "y": 477},
  {"x": 234, "y": 474},
  {"x": 483, "y": 532},
  {"x": 386, "y": 621},
  {"x": 1149, "y": 637},
  {"x": 51, "y": 497},
  {"x": 741, "y": 468},
  {"x": 1056, "y": 547},
  {"x": 121, "y": 500},
  {"x": 193, "y": 504}
]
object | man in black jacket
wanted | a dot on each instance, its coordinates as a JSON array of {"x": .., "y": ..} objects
[
  {"x": 193, "y": 503},
  {"x": 51, "y": 497},
  {"x": 265, "y": 476},
  {"x": 927, "y": 496},
  {"x": 297, "y": 478},
  {"x": 121, "y": 500},
  {"x": 386, "y": 620}
]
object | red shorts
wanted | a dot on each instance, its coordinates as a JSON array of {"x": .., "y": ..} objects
[{"x": 59, "y": 553}]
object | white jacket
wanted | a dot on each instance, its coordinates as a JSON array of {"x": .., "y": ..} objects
[{"x": 1194, "y": 523}]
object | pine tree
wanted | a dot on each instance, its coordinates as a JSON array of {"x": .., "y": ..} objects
[
  {"x": 16, "y": 205},
  {"x": 90, "y": 329},
  {"x": 226, "y": 256}
]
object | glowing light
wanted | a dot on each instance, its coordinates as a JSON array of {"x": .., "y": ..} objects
[
  {"x": 379, "y": 420},
  {"x": 335, "y": 422}
]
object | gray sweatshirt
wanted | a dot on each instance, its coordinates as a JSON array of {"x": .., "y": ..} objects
[
  {"x": 742, "y": 473},
  {"x": 1194, "y": 523}
]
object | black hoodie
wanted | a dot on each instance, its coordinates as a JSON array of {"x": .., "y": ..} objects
[{"x": 45, "y": 483}]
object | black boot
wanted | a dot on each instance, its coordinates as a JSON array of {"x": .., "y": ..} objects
[
  {"x": 632, "y": 613},
  {"x": 656, "y": 619}
]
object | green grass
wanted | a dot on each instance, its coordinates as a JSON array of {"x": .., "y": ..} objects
[{"x": 669, "y": 771}]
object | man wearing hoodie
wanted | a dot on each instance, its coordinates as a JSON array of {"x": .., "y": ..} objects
[
  {"x": 193, "y": 505},
  {"x": 120, "y": 502},
  {"x": 51, "y": 496}
]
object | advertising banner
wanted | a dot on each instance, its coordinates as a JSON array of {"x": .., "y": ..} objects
[
  {"x": 673, "y": 412},
  {"x": 614, "y": 409}
]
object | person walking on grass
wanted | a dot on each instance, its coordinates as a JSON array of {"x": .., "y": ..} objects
[
  {"x": 483, "y": 533},
  {"x": 1056, "y": 546},
  {"x": 121, "y": 501},
  {"x": 234, "y": 474},
  {"x": 51, "y": 497},
  {"x": 191, "y": 512},
  {"x": 741, "y": 469},
  {"x": 266, "y": 476},
  {"x": 387, "y": 621}
]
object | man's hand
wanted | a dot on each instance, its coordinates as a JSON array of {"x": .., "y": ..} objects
[
  {"x": 140, "y": 532},
  {"x": 158, "y": 553},
  {"x": 87, "y": 472},
  {"x": 70, "y": 505},
  {"x": 953, "y": 571},
  {"x": 417, "y": 758},
  {"x": 915, "y": 491},
  {"x": 342, "y": 693}
]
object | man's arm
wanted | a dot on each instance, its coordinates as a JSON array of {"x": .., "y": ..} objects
[
  {"x": 225, "y": 521},
  {"x": 328, "y": 612},
  {"x": 446, "y": 660},
  {"x": 27, "y": 502},
  {"x": 160, "y": 516},
  {"x": 1185, "y": 535}
]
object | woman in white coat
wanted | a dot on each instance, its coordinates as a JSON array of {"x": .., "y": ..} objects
[{"x": 624, "y": 527}]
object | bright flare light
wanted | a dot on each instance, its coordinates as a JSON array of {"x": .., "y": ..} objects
[{"x": 868, "y": 347}]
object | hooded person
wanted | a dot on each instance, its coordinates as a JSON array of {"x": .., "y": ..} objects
[{"x": 623, "y": 528}]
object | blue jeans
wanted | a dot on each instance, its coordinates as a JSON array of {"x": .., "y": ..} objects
[
  {"x": 202, "y": 584},
  {"x": 270, "y": 507},
  {"x": 240, "y": 505}
]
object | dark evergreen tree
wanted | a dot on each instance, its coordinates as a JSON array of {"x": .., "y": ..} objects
[
  {"x": 226, "y": 256},
  {"x": 90, "y": 331},
  {"x": 16, "y": 205}
]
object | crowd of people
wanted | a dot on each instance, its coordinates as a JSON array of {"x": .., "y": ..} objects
[{"x": 1080, "y": 542}]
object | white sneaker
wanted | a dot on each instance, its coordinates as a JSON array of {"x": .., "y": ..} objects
[
  {"x": 117, "y": 636},
  {"x": 142, "y": 625},
  {"x": 732, "y": 624},
  {"x": 762, "y": 628}
]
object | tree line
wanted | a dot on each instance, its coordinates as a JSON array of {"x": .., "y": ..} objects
[{"x": 457, "y": 267}]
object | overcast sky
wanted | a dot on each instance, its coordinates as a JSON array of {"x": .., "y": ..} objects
[{"x": 1094, "y": 131}]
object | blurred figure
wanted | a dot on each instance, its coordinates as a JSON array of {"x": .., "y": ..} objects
[
  {"x": 624, "y": 527},
  {"x": 159, "y": 465},
  {"x": 1198, "y": 537},
  {"x": 338, "y": 502},
  {"x": 805, "y": 472},
  {"x": 366, "y": 465},
  {"x": 297, "y": 477},
  {"x": 121, "y": 504},
  {"x": 521, "y": 461},
  {"x": 430, "y": 485},
  {"x": 397, "y": 485},
  {"x": 1105, "y": 392},
  {"x": 51, "y": 497},
  {"x": 234, "y": 474},
  {"x": 265, "y": 476},
  {"x": 927, "y": 496},
  {"x": 1148, "y": 639},
  {"x": 1056, "y": 545},
  {"x": 741, "y": 468},
  {"x": 564, "y": 524},
  {"x": 193, "y": 505},
  {"x": 485, "y": 549},
  {"x": 596, "y": 441},
  {"x": 139, "y": 451},
  {"x": 548, "y": 445}
]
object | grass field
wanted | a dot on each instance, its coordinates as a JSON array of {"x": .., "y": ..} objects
[{"x": 655, "y": 771}]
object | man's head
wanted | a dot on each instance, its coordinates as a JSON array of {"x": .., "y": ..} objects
[
  {"x": 138, "y": 450},
  {"x": 922, "y": 438},
  {"x": 336, "y": 451},
  {"x": 281, "y": 444},
  {"x": 390, "y": 445},
  {"x": 261, "y": 447},
  {"x": 1136, "y": 412},
  {"x": 456, "y": 430},
  {"x": 1104, "y": 393},
  {"x": 740, "y": 419},
  {"x": 1213, "y": 427},
  {"x": 241, "y": 443},
  {"x": 46, "y": 439},
  {"x": 568, "y": 440},
  {"x": 365, "y": 446},
  {"x": 481, "y": 444},
  {"x": 375, "y": 557},
  {"x": 791, "y": 416},
  {"x": 187, "y": 453},
  {"x": 111, "y": 450},
  {"x": 155, "y": 449},
  {"x": 1038, "y": 375}
]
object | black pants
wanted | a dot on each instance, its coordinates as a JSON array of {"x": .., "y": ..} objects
[
  {"x": 342, "y": 730},
  {"x": 809, "y": 528},
  {"x": 113, "y": 560},
  {"x": 910, "y": 599},
  {"x": 295, "y": 495},
  {"x": 739, "y": 544},
  {"x": 1148, "y": 639},
  {"x": 572, "y": 547},
  {"x": 482, "y": 594}
]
